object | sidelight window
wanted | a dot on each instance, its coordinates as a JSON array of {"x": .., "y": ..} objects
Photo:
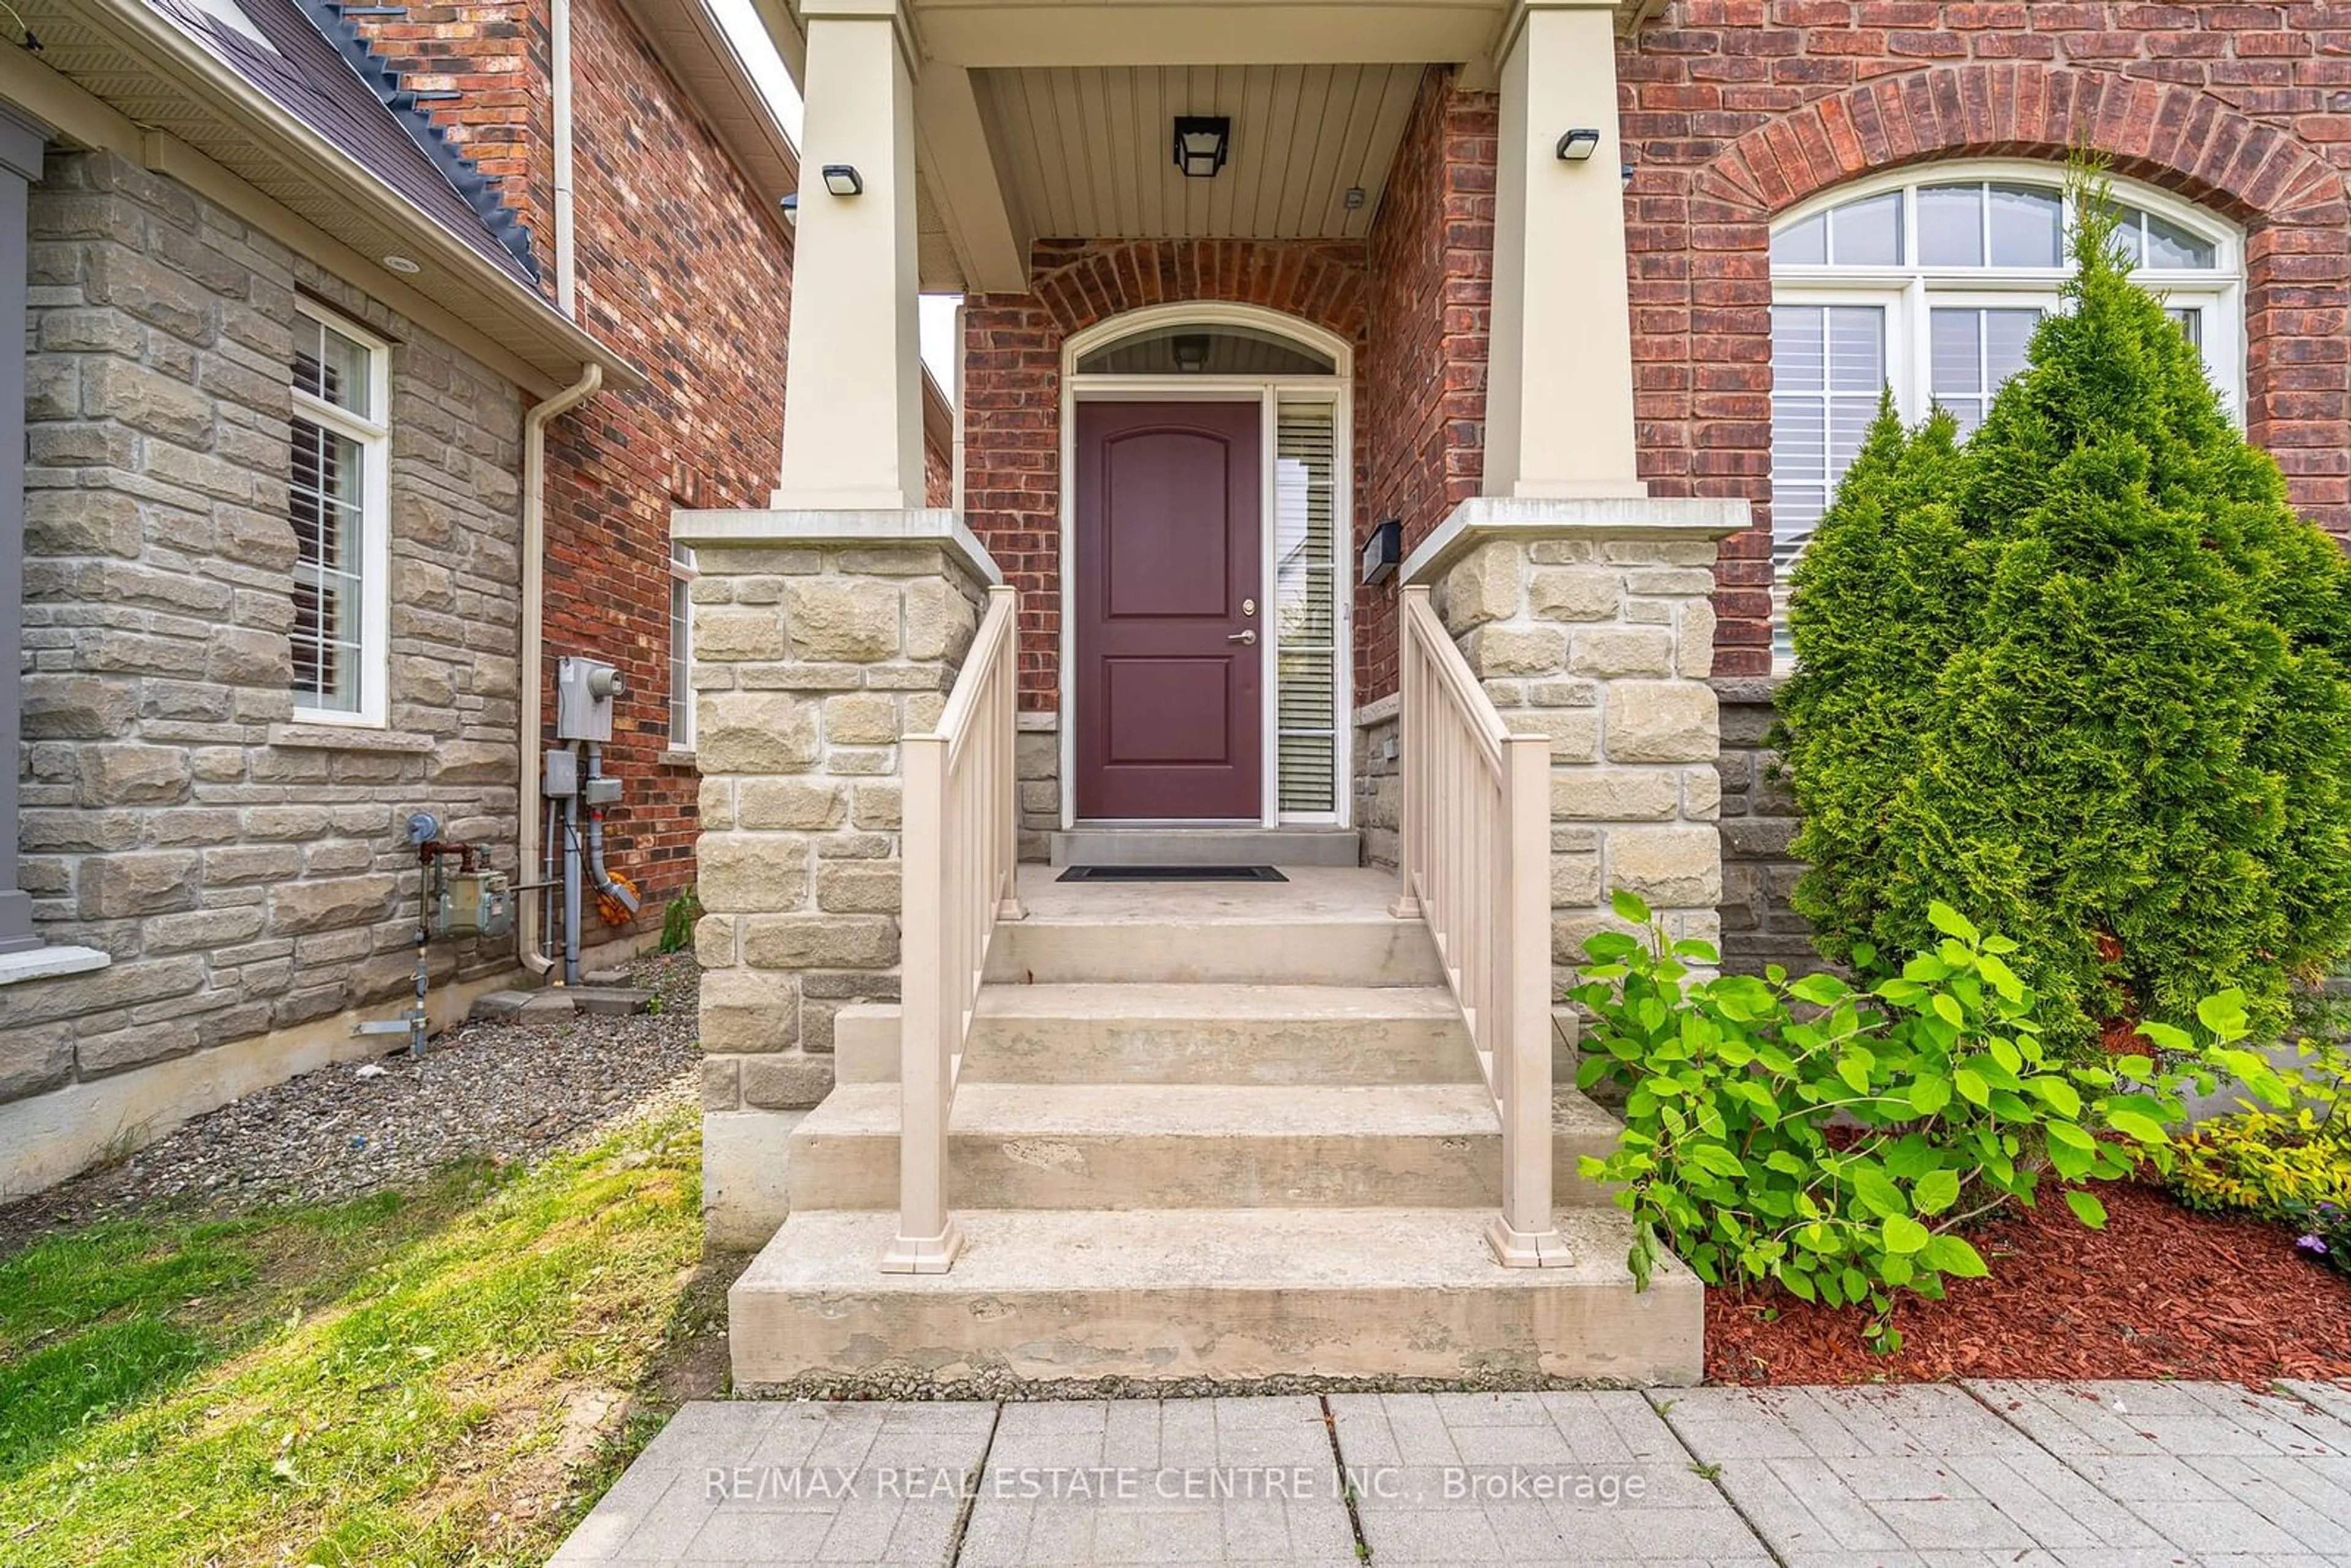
[{"x": 1306, "y": 608}]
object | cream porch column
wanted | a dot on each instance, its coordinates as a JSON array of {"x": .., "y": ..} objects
[
  {"x": 1559, "y": 397},
  {"x": 852, "y": 382}
]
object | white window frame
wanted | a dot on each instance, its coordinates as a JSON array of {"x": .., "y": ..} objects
[
  {"x": 1909, "y": 292},
  {"x": 681, "y": 575},
  {"x": 1269, "y": 392},
  {"x": 373, "y": 437}
]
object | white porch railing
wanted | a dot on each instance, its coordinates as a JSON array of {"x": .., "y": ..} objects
[
  {"x": 1474, "y": 853},
  {"x": 958, "y": 841}
]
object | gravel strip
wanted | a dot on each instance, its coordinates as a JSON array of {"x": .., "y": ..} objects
[
  {"x": 916, "y": 1386},
  {"x": 501, "y": 1091}
]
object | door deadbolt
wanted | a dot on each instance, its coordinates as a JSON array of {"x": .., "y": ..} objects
[{"x": 1248, "y": 606}]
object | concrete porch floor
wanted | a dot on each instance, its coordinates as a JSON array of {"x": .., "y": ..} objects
[
  {"x": 2031, "y": 1475},
  {"x": 1313, "y": 893}
]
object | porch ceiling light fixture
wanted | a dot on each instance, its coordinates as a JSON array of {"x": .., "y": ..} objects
[
  {"x": 1578, "y": 144},
  {"x": 1203, "y": 142},
  {"x": 843, "y": 179}
]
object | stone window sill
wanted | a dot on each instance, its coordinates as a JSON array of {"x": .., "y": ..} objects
[
  {"x": 49, "y": 964},
  {"x": 334, "y": 737},
  {"x": 676, "y": 757}
]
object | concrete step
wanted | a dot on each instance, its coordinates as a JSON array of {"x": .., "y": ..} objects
[
  {"x": 866, "y": 1044},
  {"x": 1325, "y": 927},
  {"x": 1133, "y": 1146},
  {"x": 1150, "y": 1033},
  {"x": 1141, "y": 846},
  {"x": 1365, "y": 950},
  {"x": 1381, "y": 1293}
]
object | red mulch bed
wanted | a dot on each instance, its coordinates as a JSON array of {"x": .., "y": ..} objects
[{"x": 2159, "y": 1292}]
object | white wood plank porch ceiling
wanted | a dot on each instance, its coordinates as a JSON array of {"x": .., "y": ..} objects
[
  {"x": 1051, "y": 119},
  {"x": 1085, "y": 148}
]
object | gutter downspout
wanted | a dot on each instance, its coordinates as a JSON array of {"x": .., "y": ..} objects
[
  {"x": 528, "y": 914},
  {"x": 534, "y": 653},
  {"x": 560, "y": 67}
]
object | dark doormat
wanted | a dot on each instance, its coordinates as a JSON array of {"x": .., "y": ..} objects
[{"x": 1171, "y": 873}]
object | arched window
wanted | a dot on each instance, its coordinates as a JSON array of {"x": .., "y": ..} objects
[
  {"x": 1931, "y": 282},
  {"x": 1205, "y": 348}
]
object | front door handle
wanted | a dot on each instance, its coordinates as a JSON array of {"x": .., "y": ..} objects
[{"x": 1242, "y": 637}]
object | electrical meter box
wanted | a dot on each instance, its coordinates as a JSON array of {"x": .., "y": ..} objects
[
  {"x": 477, "y": 904},
  {"x": 584, "y": 690},
  {"x": 562, "y": 781}
]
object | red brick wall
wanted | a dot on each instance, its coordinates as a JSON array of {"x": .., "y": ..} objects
[
  {"x": 1012, "y": 385},
  {"x": 1423, "y": 412},
  {"x": 494, "y": 52},
  {"x": 680, "y": 270},
  {"x": 938, "y": 475},
  {"x": 1734, "y": 110}
]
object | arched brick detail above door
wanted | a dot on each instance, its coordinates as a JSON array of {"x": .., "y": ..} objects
[
  {"x": 1701, "y": 270},
  {"x": 1085, "y": 282},
  {"x": 1012, "y": 382}
]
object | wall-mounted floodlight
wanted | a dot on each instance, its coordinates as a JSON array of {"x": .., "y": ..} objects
[
  {"x": 1578, "y": 144},
  {"x": 842, "y": 180},
  {"x": 791, "y": 206}
]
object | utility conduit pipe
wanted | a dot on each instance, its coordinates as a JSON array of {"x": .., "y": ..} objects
[
  {"x": 529, "y": 929},
  {"x": 598, "y": 877}
]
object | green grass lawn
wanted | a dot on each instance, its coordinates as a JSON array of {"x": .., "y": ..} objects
[{"x": 445, "y": 1376}]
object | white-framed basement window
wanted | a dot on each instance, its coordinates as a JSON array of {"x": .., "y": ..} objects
[
  {"x": 340, "y": 510},
  {"x": 680, "y": 646},
  {"x": 1931, "y": 281}
]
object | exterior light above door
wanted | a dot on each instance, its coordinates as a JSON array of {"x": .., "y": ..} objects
[
  {"x": 843, "y": 179},
  {"x": 1202, "y": 144},
  {"x": 1578, "y": 144},
  {"x": 1191, "y": 351}
]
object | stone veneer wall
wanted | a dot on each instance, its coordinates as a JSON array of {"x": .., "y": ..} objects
[
  {"x": 811, "y": 662},
  {"x": 247, "y": 874},
  {"x": 1379, "y": 788},
  {"x": 1603, "y": 643},
  {"x": 1039, "y": 765},
  {"x": 1759, "y": 823}
]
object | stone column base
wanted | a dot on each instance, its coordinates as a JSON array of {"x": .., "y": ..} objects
[
  {"x": 821, "y": 639},
  {"x": 1590, "y": 621}
]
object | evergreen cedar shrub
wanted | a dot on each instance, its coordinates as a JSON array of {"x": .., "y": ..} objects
[{"x": 2084, "y": 674}]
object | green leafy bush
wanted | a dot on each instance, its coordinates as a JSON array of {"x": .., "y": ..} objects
[
  {"x": 1837, "y": 1139},
  {"x": 2086, "y": 675},
  {"x": 2274, "y": 1164},
  {"x": 677, "y": 920},
  {"x": 2265, "y": 1163}
]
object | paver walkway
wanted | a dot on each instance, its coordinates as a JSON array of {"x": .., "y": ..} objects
[{"x": 2029, "y": 1475}]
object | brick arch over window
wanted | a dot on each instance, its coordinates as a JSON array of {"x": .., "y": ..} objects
[
  {"x": 1710, "y": 434},
  {"x": 1012, "y": 383}
]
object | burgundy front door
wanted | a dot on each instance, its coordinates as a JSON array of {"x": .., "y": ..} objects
[{"x": 1169, "y": 569}]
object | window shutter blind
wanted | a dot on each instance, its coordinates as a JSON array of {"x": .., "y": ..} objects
[{"x": 1306, "y": 575}]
